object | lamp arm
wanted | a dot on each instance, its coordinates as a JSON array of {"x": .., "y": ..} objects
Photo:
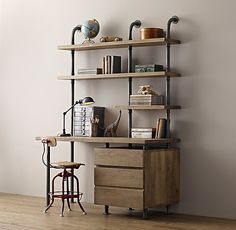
[
  {"x": 64, "y": 118},
  {"x": 77, "y": 102}
]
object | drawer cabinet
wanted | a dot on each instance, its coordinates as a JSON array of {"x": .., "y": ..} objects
[
  {"x": 136, "y": 178},
  {"x": 82, "y": 119}
]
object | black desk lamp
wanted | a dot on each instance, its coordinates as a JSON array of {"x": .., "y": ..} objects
[{"x": 85, "y": 101}]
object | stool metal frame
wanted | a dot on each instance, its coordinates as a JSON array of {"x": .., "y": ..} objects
[{"x": 65, "y": 194}]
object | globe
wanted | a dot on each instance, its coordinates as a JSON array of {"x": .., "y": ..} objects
[{"x": 90, "y": 29}]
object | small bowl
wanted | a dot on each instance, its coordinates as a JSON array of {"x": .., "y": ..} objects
[{"x": 147, "y": 33}]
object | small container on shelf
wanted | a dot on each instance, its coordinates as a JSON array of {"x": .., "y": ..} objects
[
  {"x": 143, "y": 132},
  {"x": 147, "y": 33}
]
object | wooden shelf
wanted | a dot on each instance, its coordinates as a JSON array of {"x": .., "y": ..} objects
[
  {"x": 160, "y": 74},
  {"x": 119, "y": 44},
  {"x": 147, "y": 107},
  {"x": 116, "y": 140}
]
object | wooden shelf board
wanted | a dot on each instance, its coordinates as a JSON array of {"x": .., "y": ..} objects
[
  {"x": 147, "y": 107},
  {"x": 121, "y": 75},
  {"x": 116, "y": 140},
  {"x": 119, "y": 44}
]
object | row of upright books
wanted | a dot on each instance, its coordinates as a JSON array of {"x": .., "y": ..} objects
[
  {"x": 146, "y": 99},
  {"x": 111, "y": 64}
]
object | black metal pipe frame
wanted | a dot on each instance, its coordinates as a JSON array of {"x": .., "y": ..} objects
[
  {"x": 106, "y": 207},
  {"x": 72, "y": 144},
  {"x": 48, "y": 177},
  {"x": 136, "y": 24},
  {"x": 174, "y": 20}
]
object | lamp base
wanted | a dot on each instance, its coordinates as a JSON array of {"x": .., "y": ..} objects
[{"x": 65, "y": 135}]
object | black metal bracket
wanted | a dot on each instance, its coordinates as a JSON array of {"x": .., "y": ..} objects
[
  {"x": 137, "y": 24},
  {"x": 175, "y": 20}
]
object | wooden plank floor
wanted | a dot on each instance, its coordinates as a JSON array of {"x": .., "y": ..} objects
[{"x": 19, "y": 212}]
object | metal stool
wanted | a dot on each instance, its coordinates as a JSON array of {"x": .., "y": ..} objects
[{"x": 65, "y": 194}]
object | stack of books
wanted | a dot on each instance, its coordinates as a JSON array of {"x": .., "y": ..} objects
[
  {"x": 148, "y": 68},
  {"x": 146, "y": 99},
  {"x": 89, "y": 71},
  {"x": 111, "y": 64},
  {"x": 143, "y": 132}
]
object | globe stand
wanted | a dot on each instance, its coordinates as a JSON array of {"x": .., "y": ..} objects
[{"x": 88, "y": 41}]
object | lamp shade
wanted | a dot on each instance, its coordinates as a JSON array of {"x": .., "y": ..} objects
[{"x": 86, "y": 101}]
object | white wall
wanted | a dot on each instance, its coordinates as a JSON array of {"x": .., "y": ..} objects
[{"x": 32, "y": 99}]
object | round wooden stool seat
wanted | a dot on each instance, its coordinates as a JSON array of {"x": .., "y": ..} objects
[{"x": 66, "y": 165}]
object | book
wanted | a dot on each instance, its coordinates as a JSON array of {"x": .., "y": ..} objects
[
  {"x": 111, "y": 64},
  {"x": 116, "y": 64},
  {"x": 161, "y": 128},
  {"x": 89, "y": 71}
]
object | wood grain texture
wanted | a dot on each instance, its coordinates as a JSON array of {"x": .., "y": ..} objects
[
  {"x": 19, "y": 212},
  {"x": 160, "y": 74},
  {"x": 120, "y": 197},
  {"x": 162, "y": 177},
  {"x": 118, "y": 177},
  {"x": 119, "y": 44},
  {"x": 161, "y": 174},
  {"x": 115, "y": 140},
  {"x": 147, "y": 107},
  {"x": 119, "y": 157}
]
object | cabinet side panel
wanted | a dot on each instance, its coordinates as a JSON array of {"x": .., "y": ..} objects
[
  {"x": 173, "y": 176},
  {"x": 161, "y": 177}
]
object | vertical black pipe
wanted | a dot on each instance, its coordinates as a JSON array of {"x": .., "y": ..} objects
[
  {"x": 175, "y": 20},
  {"x": 168, "y": 89},
  {"x": 137, "y": 24},
  {"x": 48, "y": 177},
  {"x": 72, "y": 145},
  {"x": 130, "y": 87},
  {"x": 106, "y": 207}
]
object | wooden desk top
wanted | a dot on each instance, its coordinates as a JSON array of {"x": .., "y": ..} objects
[{"x": 117, "y": 140}]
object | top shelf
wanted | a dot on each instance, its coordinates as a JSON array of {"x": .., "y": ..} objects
[{"x": 119, "y": 44}]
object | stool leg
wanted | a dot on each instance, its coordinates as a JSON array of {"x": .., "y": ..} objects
[
  {"x": 81, "y": 207},
  {"x": 63, "y": 192},
  {"x": 52, "y": 197},
  {"x": 68, "y": 192}
]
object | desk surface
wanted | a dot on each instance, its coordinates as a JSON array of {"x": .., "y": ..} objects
[{"x": 118, "y": 140}]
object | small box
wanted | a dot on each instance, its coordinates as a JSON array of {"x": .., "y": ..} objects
[
  {"x": 143, "y": 132},
  {"x": 148, "y": 68}
]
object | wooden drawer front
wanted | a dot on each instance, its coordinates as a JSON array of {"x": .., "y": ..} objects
[
  {"x": 121, "y": 197},
  {"x": 129, "y": 178},
  {"x": 119, "y": 157}
]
